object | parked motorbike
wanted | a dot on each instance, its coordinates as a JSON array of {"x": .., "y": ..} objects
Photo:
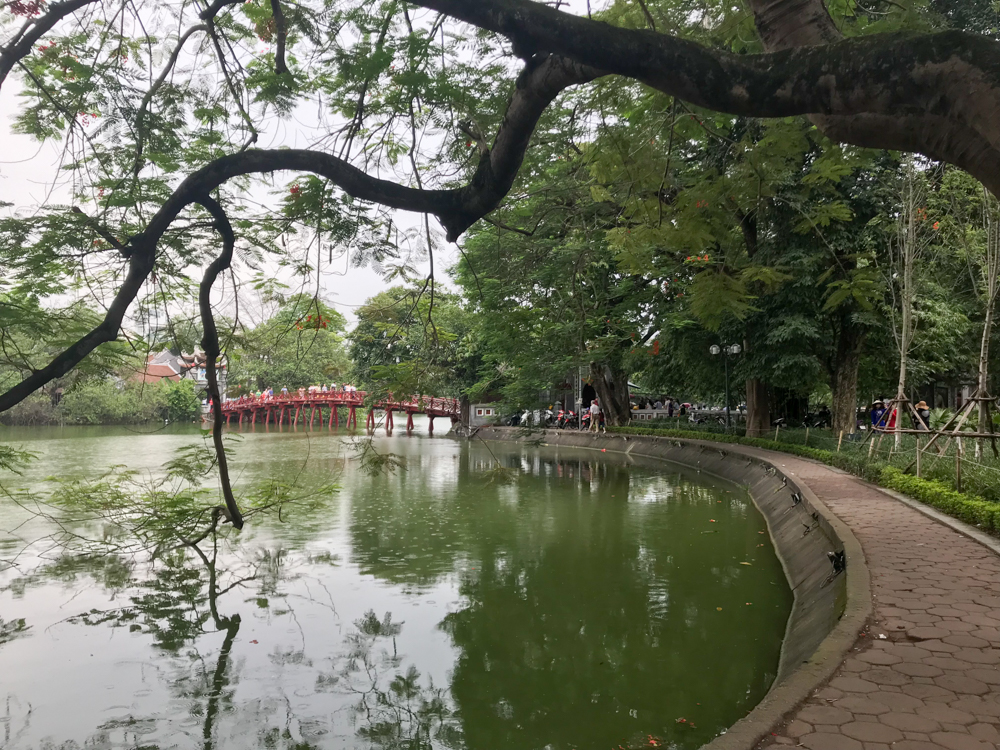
[
  {"x": 819, "y": 419},
  {"x": 569, "y": 420}
]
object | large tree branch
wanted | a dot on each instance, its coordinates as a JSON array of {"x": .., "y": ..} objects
[
  {"x": 139, "y": 266},
  {"x": 457, "y": 209},
  {"x": 25, "y": 40},
  {"x": 952, "y": 75},
  {"x": 784, "y": 24},
  {"x": 210, "y": 343}
]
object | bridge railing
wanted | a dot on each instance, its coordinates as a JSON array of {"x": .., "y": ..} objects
[{"x": 439, "y": 405}]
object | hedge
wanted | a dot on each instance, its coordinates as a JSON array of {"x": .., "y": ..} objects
[{"x": 974, "y": 510}]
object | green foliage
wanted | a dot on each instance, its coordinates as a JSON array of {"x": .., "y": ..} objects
[
  {"x": 105, "y": 401},
  {"x": 182, "y": 403},
  {"x": 301, "y": 344},
  {"x": 410, "y": 340},
  {"x": 13, "y": 459}
]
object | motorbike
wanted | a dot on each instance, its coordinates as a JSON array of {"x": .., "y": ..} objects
[
  {"x": 819, "y": 419},
  {"x": 568, "y": 419}
]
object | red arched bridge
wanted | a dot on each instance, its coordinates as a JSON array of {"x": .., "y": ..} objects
[{"x": 288, "y": 408}]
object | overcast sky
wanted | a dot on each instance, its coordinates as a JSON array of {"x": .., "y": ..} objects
[{"x": 30, "y": 178}]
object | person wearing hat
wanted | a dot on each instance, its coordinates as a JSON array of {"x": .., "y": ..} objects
[
  {"x": 877, "y": 413},
  {"x": 924, "y": 412}
]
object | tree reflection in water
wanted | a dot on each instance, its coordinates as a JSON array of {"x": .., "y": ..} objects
[
  {"x": 580, "y": 605},
  {"x": 394, "y": 710}
]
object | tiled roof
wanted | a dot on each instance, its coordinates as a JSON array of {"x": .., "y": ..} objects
[{"x": 154, "y": 373}]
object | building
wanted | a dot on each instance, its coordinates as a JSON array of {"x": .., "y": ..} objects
[
  {"x": 482, "y": 414},
  {"x": 176, "y": 367}
]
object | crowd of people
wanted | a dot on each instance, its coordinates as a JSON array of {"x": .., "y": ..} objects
[
  {"x": 884, "y": 418},
  {"x": 267, "y": 394},
  {"x": 669, "y": 403}
]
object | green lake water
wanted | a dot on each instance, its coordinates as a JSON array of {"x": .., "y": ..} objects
[{"x": 590, "y": 603}]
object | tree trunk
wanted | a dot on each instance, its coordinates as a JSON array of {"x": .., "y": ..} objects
[
  {"x": 844, "y": 380},
  {"x": 758, "y": 409},
  {"x": 991, "y": 277},
  {"x": 907, "y": 252},
  {"x": 612, "y": 391},
  {"x": 984, "y": 378}
]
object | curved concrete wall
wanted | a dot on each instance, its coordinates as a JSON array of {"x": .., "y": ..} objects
[{"x": 829, "y": 608}]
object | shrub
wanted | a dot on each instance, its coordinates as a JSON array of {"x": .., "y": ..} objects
[
  {"x": 183, "y": 404},
  {"x": 107, "y": 402}
]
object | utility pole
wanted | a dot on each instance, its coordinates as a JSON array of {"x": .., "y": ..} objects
[{"x": 728, "y": 350}]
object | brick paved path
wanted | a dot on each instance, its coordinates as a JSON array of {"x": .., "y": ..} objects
[{"x": 934, "y": 683}]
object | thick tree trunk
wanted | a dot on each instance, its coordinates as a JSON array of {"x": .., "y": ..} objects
[
  {"x": 758, "y": 409},
  {"x": 612, "y": 392},
  {"x": 844, "y": 379}
]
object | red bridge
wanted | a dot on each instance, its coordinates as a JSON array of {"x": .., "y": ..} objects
[{"x": 278, "y": 409}]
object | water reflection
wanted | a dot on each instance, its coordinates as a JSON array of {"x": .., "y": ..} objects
[{"x": 583, "y": 604}]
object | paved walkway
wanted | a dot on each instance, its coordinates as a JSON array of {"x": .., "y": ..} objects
[{"x": 933, "y": 683}]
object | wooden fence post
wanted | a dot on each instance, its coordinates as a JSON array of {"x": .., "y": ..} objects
[
  {"x": 840, "y": 440},
  {"x": 918, "y": 456},
  {"x": 958, "y": 464},
  {"x": 807, "y": 435}
]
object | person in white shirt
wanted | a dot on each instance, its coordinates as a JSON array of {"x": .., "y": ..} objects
[{"x": 595, "y": 415}]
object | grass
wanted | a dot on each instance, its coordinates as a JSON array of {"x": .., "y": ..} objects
[{"x": 978, "y": 502}]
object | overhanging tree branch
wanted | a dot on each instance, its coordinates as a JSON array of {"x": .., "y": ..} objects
[
  {"x": 31, "y": 33},
  {"x": 457, "y": 209},
  {"x": 953, "y": 76},
  {"x": 281, "y": 33},
  {"x": 210, "y": 343}
]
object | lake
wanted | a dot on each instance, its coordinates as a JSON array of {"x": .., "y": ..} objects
[{"x": 568, "y": 600}]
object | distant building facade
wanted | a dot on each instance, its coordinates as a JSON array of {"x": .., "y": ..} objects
[{"x": 168, "y": 366}]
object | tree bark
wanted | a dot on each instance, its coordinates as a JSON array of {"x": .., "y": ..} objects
[
  {"x": 758, "y": 409},
  {"x": 612, "y": 392},
  {"x": 984, "y": 375},
  {"x": 990, "y": 271},
  {"x": 907, "y": 252},
  {"x": 844, "y": 378},
  {"x": 935, "y": 93}
]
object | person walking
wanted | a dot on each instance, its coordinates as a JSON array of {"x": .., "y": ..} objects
[
  {"x": 924, "y": 412},
  {"x": 595, "y": 414}
]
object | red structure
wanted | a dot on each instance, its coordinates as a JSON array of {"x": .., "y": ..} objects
[{"x": 280, "y": 410}]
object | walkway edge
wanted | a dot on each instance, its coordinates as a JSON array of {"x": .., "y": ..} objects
[
  {"x": 977, "y": 535},
  {"x": 783, "y": 698}
]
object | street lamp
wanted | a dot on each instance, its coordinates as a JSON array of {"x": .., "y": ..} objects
[{"x": 730, "y": 350}]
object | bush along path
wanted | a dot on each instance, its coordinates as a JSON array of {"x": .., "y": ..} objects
[
  {"x": 973, "y": 510},
  {"x": 925, "y": 675}
]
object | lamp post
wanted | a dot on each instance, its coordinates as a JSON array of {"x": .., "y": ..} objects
[{"x": 728, "y": 350}]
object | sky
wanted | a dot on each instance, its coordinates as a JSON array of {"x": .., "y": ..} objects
[{"x": 30, "y": 178}]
